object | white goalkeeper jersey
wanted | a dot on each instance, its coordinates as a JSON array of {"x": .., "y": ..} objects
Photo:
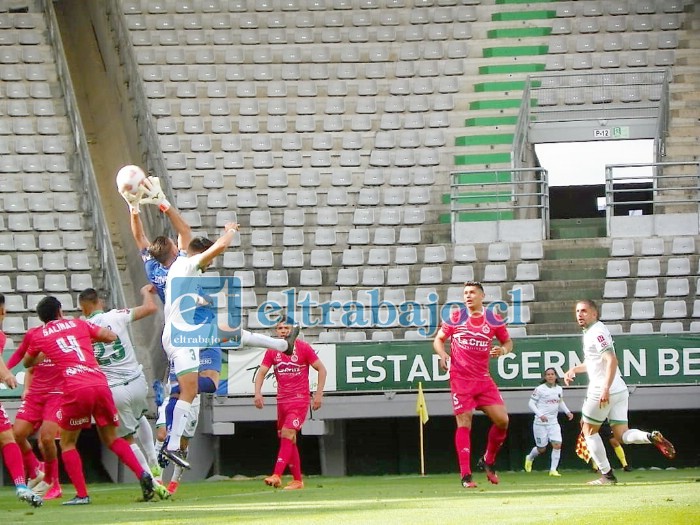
[
  {"x": 547, "y": 401},
  {"x": 596, "y": 341},
  {"x": 117, "y": 360}
]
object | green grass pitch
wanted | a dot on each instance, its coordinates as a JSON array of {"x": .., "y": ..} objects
[{"x": 641, "y": 497}]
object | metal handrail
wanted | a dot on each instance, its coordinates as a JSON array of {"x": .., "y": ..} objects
[{"x": 98, "y": 222}]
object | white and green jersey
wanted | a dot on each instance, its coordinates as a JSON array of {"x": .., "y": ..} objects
[
  {"x": 596, "y": 341},
  {"x": 547, "y": 401},
  {"x": 117, "y": 360}
]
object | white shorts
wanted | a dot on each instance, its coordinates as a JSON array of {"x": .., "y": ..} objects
[
  {"x": 545, "y": 434},
  {"x": 183, "y": 360},
  {"x": 615, "y": 411},
  {"x": 192, "y": 417},
  {"x": 131, "y": 402}
]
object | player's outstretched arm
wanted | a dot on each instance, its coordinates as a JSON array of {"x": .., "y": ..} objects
[
  {"x": 220, "y": 245},
  {"x": 184, "y": 231},
  {"x": 137, "y": 231},
  {"x": 148, "y": 306},
  {"x": 6, "y": 376}
]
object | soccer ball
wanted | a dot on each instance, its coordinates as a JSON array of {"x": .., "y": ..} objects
[{"x": 129, "y": 178}]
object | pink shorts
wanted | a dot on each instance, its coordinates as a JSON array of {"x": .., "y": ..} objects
[
  {"x": 5, "y": 423},
  {"x": 37, "y": 408},
  {"x": 80, "y": 406},
  {"x": 292, "y": 415},
  {"x": 468, "y": 394}
]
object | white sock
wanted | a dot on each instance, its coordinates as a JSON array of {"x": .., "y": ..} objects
[
  {"x": 597, "y": 450},
  {"x": 180, "y": 412},
  {"x": 145, "y": 436},
  {"x": 533, "y": 454},
  {"x": 262, "y": 341},
  {"x": 140, "y": 457},
  {"x": 158, "y": 445},
  {"x": 634, "y": 436},
  {"x": 554, "y": 461}
]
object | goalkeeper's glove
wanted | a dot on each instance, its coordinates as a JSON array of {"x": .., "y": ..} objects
[
  {"x": 154, "y": 194},
  {"x": 133, "y": 200}
]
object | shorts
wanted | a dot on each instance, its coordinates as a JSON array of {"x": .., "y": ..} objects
[
  {"x": 184, "y": 360},
  {"x": 210, "y": 359},
  {"x": 468, "y": 394},
  {"x": 80, "y": 406},
  {"x": 5, "y": 423},
  {"x": 130, "y": 400},
  {"x": 545, "y": 434},
  {"x": 616, "y": 410},
  {"x": 40, "y": 407},
  {"x": 292, "y": 415}
]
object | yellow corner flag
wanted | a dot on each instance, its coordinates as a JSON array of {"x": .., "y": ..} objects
[{"x": 421, "y": 407}]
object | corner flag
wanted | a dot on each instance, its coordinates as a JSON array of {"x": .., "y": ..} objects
[
  {"x": 582, "y": 449},
  {"x": 421, "y": 407}
]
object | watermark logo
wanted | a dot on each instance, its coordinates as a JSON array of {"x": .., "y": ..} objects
[{"x": 205, "y": 311}]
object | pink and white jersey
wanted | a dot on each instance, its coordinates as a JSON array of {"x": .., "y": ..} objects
[
  {"x": 291, "y": 371},
  {"x": 68, "y": 343},
  {"x": 47, "y": 378},
  {"x": 471, "y": 343}
]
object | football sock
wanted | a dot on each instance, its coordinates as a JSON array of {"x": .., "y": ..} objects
[
  {"x": 262, "y": 341},
  {"x": 620, "y": 453},
  {"x": 283, "y": 456},
  {"x": 554, "y": 461},
  {"x": 144, "y": 434},
  {"x": 51, "y": 471},
  {"x": 138, "y": 454},
  {"x": 169, "y": 409},
  {"x": 634, "y": 436},
  {"x": 295, "y": 463},
  {"x": 597, "y": 450},
  {"x": 74, "y": 467},
  {"x": 180, "y": 412},
  {"x": 205, "y": 385},
  {"x": 12, "y": 456},
  {"x": 463, "y": 445},
  {"x": 533, "y": 454},
  {"x": 496, "y": 438},
  {"x": 31, "y": 463},
  {"x": 123, "y": 451}
]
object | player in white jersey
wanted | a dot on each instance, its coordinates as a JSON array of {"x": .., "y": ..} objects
[
  {"x": 184, "y": 359},
  {"x": 607, "y": 395},
  {"x": 546, "y": 402},
  {"x": 124, "y": 373}
]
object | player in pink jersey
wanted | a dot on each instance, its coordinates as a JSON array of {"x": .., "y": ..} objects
[
  {"x": 86, "y": 395},
  {"x": 41, "y": 402},
  {"x": 472, "y": 332},
  {"x": 292, "y": 376},
  {"x": 11, "y": 453}
]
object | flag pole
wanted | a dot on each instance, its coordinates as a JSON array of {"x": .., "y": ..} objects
[{"x": 422, "y": 454}]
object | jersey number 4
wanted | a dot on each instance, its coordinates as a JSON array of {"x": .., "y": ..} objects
[{"x": 70, "y": 344}]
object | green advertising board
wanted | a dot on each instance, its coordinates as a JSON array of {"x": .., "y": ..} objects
[{"x": 643, "y": 360}]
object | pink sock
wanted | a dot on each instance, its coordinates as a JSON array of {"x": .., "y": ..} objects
[
  {"x": 295, "y": 463},
  {"x": 31, "y": 463},
  {"x": 283, "y": 455},
  {"x": 74, "y": 467},
  {"x": 123, "y": 451},
  {"x": 51, "y": 471},
  {"x": 12, "y": 456},
  {"x": 496, "y": 438},
  {"x": 463, "y": 443}
]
